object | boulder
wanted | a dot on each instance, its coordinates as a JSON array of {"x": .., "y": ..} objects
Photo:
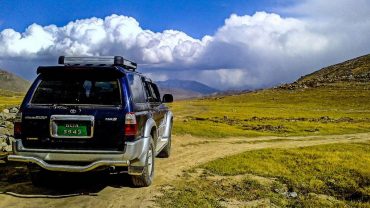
[
  {"x": 4, "y": 132},
  {"x": 7, "y": 116},
  {"x": 10, "y": 140},
  {"x": 3, "y": 144},
  {"x": 13, "y": 110},
  {"x": 6, "y": 143},
  {"x": 8, "y": 148},
  {"x": 9, "y": 124},
  {"x": 291, "y": 194},
  {"x": 3, "y": 139}
]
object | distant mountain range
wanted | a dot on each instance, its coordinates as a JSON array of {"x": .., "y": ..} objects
[
  {"x": 187, "y": 85},
  {"x": 353, "y": 70},
  {"x": 182, "y": 89},
  {"x": 12, "y": 82}
]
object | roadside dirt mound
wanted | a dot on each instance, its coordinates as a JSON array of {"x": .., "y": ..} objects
[{"x": 103, "y": 190}]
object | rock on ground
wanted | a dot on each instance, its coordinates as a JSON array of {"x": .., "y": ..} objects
[{"x": 7, "y": 117}]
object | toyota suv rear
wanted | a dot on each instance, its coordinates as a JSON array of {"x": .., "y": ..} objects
[{"x": 92, "y": 113}]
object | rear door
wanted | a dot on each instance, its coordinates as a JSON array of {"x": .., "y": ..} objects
[
  {"x": 157, "y": 109},
  {"x": 139, "y": 103},
  {"x": 75, "y": 111}
]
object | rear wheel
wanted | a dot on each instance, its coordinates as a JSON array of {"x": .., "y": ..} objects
[{"x": 147, "y": 177}]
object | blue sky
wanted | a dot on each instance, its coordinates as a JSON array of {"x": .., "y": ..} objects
[
  {"x": 227, "y": 44},
  {"x": 194, "y": 17}
]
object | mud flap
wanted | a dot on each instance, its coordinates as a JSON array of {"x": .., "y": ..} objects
[
  {"x": 137, "y": 166},
  {"x": 135, "y": 170}
]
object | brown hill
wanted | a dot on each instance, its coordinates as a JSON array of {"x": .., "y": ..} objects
[
  {"x": 357, "y": 69},
  {"x": 351, "y": 71},
  {"x": 12, "y": 82}
]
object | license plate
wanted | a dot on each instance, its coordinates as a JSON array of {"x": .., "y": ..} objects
[{"x": 72, "y": 129}]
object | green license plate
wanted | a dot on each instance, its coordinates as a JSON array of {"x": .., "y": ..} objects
[{"x": 72, "y": 129}]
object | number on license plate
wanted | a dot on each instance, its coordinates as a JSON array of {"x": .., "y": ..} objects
[{"x": 72, "y": 129}]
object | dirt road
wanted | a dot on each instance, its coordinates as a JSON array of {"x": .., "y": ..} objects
[{"x": 100, "y": 190}]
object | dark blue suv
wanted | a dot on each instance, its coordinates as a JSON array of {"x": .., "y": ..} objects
[{"x": 92, "y": 113}]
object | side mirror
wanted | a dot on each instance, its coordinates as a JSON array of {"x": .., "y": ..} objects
[{"x": 167, "y": 98}]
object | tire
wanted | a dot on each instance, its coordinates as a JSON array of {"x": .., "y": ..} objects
[
  {"x": 146, "y": 178},
  {"x": 166, "y": 152}
]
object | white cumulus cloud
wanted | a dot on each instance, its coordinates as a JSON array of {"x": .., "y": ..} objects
[{"x": 254, "y": 51}]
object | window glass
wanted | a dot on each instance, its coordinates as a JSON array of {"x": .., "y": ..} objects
[
  {"x": 66, "y": 90},
  {"x": 147, "y": 90},
  {"x": 137, "y": 88},
  {"x": 155, "y": 92}
]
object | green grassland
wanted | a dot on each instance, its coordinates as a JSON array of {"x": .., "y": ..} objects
[
  {"x": 334, "y": 175},
  {"x": 338, "y": 108},
  {"x": 331, "y": 109},
  {"x": 9, "y": 99}
]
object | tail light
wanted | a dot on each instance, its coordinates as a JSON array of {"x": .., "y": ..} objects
[
  {"x": 18, "y": 125},
  {"x": 130, "y": 124}
]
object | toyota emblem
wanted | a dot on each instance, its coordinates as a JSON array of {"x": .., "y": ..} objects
[{"x": 73, "y": 111}]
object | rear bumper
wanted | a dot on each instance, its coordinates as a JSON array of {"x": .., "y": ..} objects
[
  {"x": 49, "y": 158},
  {"x": 67, "y": 168}
]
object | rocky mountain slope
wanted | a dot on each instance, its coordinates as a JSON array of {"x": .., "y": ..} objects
[
  {"x": 356, "y": 70},
  {"x": 12, "y": 82}
]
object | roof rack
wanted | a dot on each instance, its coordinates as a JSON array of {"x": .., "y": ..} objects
[{"x": 97, "y": 61}]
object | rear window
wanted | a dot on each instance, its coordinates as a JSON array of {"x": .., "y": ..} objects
[{"x": 67, "y": 90}]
